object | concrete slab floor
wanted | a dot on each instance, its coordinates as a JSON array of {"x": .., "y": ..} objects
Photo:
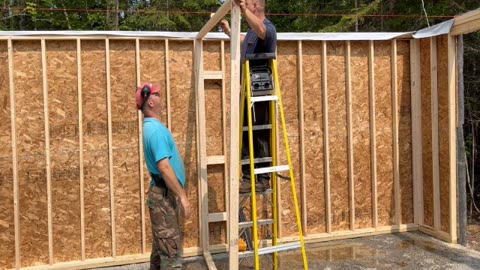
[{"x": 411, "y": 250}]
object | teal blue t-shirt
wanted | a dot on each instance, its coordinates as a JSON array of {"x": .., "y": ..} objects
[{"x": 158, "y": 144}]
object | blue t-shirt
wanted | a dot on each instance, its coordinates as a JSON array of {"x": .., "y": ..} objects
[
  {"x": 158, "y": 144},
  {"x": 253, "y": 44}
]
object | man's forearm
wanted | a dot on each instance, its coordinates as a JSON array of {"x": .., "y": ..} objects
[
  {"x": 255, "y": 24},
  {"x": 171, "y": 180}
]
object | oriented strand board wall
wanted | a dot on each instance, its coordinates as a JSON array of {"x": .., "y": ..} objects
[{"x": 155, "y": 64}]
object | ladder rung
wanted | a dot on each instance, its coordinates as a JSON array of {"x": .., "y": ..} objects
[
  {"x": 266, "y": 192},
  {"x": 264, "y": 98},
  {"x": 272, "y": 249},
  {"x": 260, "y": 222},
  {"x": 272, "y": 169},
  {"x": 259, "y": 127},
  {"x": 214, "y": 160},
  {"x": 257, "y": 160},
  {"x": 258, "y": 93},
  {"x": 212, "y": 75}
]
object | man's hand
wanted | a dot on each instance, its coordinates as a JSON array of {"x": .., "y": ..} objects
[
  {"x": 241, "y": 4},
  {"x": 185, "y": 207},
  {"x": 225, "y": 27}
]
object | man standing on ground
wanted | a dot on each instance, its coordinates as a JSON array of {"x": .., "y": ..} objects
[
  {"x": 261, "y": 37},
  {"x": 166, "y": 194}
]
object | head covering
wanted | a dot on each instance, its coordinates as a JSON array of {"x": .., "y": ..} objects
[{"x": 144, "y": 91}]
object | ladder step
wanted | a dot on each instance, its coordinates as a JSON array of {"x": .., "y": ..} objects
[
  {"x": 215, "y": 160},
  {"x": 259, "y": 127},
  {"x": 258, "y": 93},
  {"x": 257, "y": 160},
  {"x": 264, "y": 98},
  {"x": 272, "y": 249},
  {"x": 272, "y": 169},
  {"x": 260, "y": 222},
  {"x": 266, "y": 192},
  {"x": 212, "y": 75}
]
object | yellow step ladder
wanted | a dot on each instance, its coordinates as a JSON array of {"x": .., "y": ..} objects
[{"x": 261, "y": 85}]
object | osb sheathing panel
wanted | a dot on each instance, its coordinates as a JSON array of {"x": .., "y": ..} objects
[
  {"x": 337, "y": 128},
  {"x": 405, "y": 130},
  {"x": 125, "y": 147},
  {"x": 98, "y": 232},
  {"x": 360, "y": 116},
  {"x": 216, "y": 201},
  {"x": 30, "y": 123},
  {"x": 287, "y": 71},
  {"x": 7, "y": 232},
  {"x": 427, "y": 132},
  {"x": 384, "y": 133},
  {"x": 152, "y": 69},
  {"x": 313, "y": 131},
  {"x": 184, "y": 126},
  {"x": 64, "y": 145},
  {"x": 443, "y": 132}
]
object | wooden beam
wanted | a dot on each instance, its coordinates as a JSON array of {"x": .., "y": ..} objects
[
  {"x": 303, "y": 185},
  {"x": 326, "y": 150},
  {"x": 234, "y": 136},
  {"x": 201, "y": 145},
  {"x": 466, "y": 23},
  {"x": 48, "y": 167},
  {"x": 13, "y": 121},
  {"x": 80, "y": 147},
  {"x": 452, "y": 64},
  {"x": 434, "y": 134},
  {"x": 215, "y": 19},
  {"x": 348, "y": 87},
  {"x": 395, "y": 125},
  {"x": 373, "y": 140},
  {"x": 110, "y": 148},
  {"x": 416, "y": 103},
  {"x": 140, "y": 152},
  {"x": 167, "y": 84},
  {"x": 224, "y": 132}
]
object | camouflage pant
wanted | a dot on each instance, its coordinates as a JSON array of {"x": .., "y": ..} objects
[{"x": 166, "y": 229}]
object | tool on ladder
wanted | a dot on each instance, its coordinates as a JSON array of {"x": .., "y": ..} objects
[{"x": 261, "y": 85}]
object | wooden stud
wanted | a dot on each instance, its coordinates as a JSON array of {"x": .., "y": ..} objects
[
  {"x": 416, "y": 103},
  {"x": 140, "y": 152},
  {"x": 234, "y": 135},
  {"x": 215, "y": 19},
  {"x": 80, "y": 147},
  {"x": 13, "y": 118},
  {"x": 167, "y": 84},
  {"x": 47, "y": 150},
  {"x": 110, "y": 148},
  {"x": 351, "y": 174},
  {"x": 395, "y": 125},
  {"x": 201, "y": 145},
  {"x": 224, "y": 128},
  {"x": 373, "y": 141},
  {"x": 326, "y": 149},
  {"x": 435, "y": 149},
  {"x": 303, "y": 186},
  {"x": 452, "y": 63}
]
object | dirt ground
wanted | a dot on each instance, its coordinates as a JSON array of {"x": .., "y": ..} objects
[
  {"x": 473, "y": 236},
  {"x": 411, "y": 250}
]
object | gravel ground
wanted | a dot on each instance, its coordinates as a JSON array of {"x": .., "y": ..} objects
[{"x": 412, "y": 250}]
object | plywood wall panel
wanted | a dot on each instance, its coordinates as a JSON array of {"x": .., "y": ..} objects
[
  {"x": 64, "y": 145},
  {"x": 183, "y": 126},
  {"x": 337, "y": 125},
  {"x": 152, "y": 69},
  {"x": 427, "y": 132},
  {"x": 7, "y": 229},
  {"x": 31, "y": 153},
  {"x": 405, "y": 130},
  {"x": 98, "y": 235},
  {"x": 384, "y": 133},
  {"x": 313, "y": 117},
  {"x": 443, "y": 132},
  {"x": 125, "y": 147},
  {"x": 287, "y": 72},
  {"x": 361, "y": 135},
  {"x": 213, "y": 114}
]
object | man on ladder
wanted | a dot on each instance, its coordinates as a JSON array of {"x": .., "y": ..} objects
[{"x": 261, "y": 38}]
